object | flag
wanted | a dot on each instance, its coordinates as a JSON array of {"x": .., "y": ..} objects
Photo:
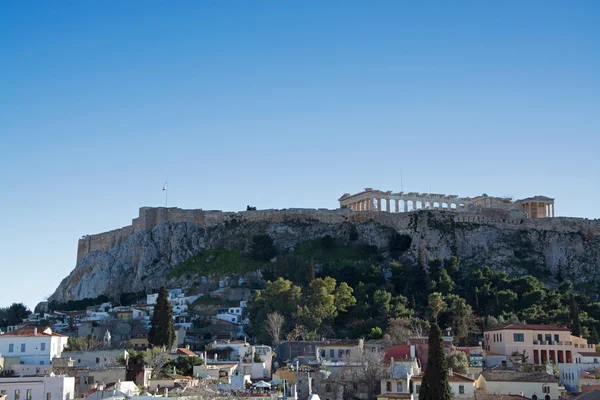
[{"x": 165, "y": 187}]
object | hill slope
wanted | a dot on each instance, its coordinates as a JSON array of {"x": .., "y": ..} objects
[{"x": 180, "y": 252}]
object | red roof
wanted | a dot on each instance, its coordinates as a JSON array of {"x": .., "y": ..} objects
[
  {"x": 528, "y": 327},
  {"x": 186, "y": 352},
  {"x": 399, "y": 352},
  {"x": 33, "y": 331}
]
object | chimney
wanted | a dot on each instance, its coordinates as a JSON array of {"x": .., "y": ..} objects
[
  {"x": 450, "y": 373},
  {"x": 412, "y": 351},
  {"x": 309, "y": 385}
]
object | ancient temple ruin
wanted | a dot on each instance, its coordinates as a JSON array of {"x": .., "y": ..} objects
[{"x": 388, "y": 201}]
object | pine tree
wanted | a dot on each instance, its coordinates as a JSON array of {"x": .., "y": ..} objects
[
  {"x": 574, "y": 316},
  {"x": 435, "y": 380},
  {"x": 162, "y": 332}
]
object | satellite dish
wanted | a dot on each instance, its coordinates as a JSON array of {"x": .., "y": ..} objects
[{"x": 480, "y": 343}]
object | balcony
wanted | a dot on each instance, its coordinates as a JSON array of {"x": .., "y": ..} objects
[{"x": 552, "y": 343}]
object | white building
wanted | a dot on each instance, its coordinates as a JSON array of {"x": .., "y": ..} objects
[
  {"x": 569, "y": 373},
  {"x": 95, "y": 359},
  {"x": 34, "y": 346},
  {"x": 42, "y": 388}
]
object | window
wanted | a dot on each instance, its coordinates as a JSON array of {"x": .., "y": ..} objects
[
  {"x": 28, "y": 394},
  {"x": 2, "y": 392},
  {"x": 97, "y": 360},
  {"x": 388, "y": 386},
  {"x": 539, "y": 337},
  {"x": 461, "y": 389},
  {"x": 331, "y": 353},
  {"x": 417, "y": 388},
  {"x": 545, "y": 389},
  {"x": 11, "y": 348},
  {"x": 548, "y": 337},
  {"x": 340, "y": 353},
  {"x": 17, "y": 394},
  {"x": 43, "y": 347},
  {"x": 23, "y": 347},
  {"x": 48, "y": 396},
  {"x": 519, "y": 337},
  {"x": 322, "y": 353},
  {"x": 595, "y": 361},
  {"x": 556, "y": 338},
  {"x": 399, "y": 388},
  {"x": 500, "y": 337},
  {"x": 41, "y": 363}
]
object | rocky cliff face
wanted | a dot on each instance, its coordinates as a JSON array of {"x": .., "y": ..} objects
[{"x": 144, "y": 259}]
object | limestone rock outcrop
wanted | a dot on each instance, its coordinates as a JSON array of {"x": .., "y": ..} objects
[{"x": 142, "y": 258}]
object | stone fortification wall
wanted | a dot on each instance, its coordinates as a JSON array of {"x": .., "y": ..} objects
[
  {"x": 102, "y": 241},
  {"x": 150, "y": 217}
]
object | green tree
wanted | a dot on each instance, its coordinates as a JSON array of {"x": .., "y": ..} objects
[
  {"x": 13, "y": 315},
  {"x": 436, "y": 304},
  {"x": 574, "y": 316},
  {"x": 457, "y": 360},
  {"x": 594, "y": 337},
  {"x": 344, "y": 297},
  {"x": 162, "y": 332},
  {"x": 262, "y": 248},
  {"x": 435, "y": 380},
  {"x": 320, "y": 302},
  {"x": 445, "y": 283}
]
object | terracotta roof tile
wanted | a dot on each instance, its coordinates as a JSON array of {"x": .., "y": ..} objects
[
  {"x": 528, "y": 327},
  {"x": 186, "y": 352},
  {"x": 32, "y": 331}
]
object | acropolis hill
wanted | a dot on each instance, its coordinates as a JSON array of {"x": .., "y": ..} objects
[{"x": 483, "y": 230}]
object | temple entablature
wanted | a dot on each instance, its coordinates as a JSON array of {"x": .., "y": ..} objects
[
  {"x": 388, "y": 201},
  {"x": 377, "y": 200}
]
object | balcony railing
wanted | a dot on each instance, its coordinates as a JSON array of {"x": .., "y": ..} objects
[{"x": 553, "y": 343}]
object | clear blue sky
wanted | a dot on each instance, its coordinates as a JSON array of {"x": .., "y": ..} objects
[{"x": 281, "y": 104}]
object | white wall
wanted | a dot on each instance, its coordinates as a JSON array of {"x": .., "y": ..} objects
[
  {"x": 33, "y": 353},
  {"x": 94, "y": 359},
  {"x": 59, "y": 387}
]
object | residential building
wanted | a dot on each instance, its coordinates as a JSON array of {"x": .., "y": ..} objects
[
  {"x": 298, "y": 350},
  {"x": 337, "y": 350},
  {"x": 124, "y": 389},
  {"x": 541, "y": 343},
  {"x": 171, "y": 381},
  {"x": 534, "y": 385},
  {"x": 571, "y": 373},
  {"x": 397, "y": 382},
  {"x": 589, "y": 381},
  {"x": 222, "y": 372},
  {"x": 461, "y": 386},
  {"x": 34, "y": 346},
  {"x": 34, "y": 388},
  {"x": 97, "y": 359}
]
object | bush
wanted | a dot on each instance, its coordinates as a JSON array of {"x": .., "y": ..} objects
[
  {"x": 327, "y": 242},
  {"x": 262, "y": 248},
  {"x": 353, "y": 235},
  {"x": 400, "y": 242}
]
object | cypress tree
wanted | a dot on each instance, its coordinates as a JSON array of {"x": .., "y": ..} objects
[
  {"x": 435, "y": 380},
  {"x": 574, "y": 311},
  {"x": 162, "y": 332}
]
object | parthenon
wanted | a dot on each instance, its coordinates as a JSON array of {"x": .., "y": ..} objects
[{"x": 377, "y": 200}]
